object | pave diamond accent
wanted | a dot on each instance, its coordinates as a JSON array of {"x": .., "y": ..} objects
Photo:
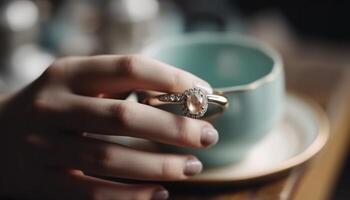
[{"x": 171, "y": 97}]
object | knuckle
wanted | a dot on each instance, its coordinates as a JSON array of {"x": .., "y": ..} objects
[
  {"x": 168, "y": 169},
  {"x": 182, "y": 133},
  {"x": 126, "y": 66},
  {"x": 175, "y": 81},
  {"x": 122, "y": 112},
  {"x": 102, "y": 159},
  {"x": 56, "y": 69},
  {"x": 59, "y": 67},
  {"x": 47, "y": 103},
  {"x": 42, "y": 105}
]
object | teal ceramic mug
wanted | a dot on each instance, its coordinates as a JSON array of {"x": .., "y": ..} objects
[{"x": 249, "y": 74}]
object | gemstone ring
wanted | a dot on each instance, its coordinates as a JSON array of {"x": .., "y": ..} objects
[{"x": 194, "y": 101}]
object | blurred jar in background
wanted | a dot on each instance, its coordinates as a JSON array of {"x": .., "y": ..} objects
[
  {"x": 35, "y": 32},
  {"x": 74, "y": 28},
  {"x": 22, "y": 58},
  {"x": 130, "y": 24}
]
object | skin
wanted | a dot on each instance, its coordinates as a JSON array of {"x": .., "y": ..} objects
[{"x": 45, "y": 154}]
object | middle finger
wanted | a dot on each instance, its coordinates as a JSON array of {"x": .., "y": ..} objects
[
  {"x": 116, "y": 117},
  {"x": 107, "y": 159}
]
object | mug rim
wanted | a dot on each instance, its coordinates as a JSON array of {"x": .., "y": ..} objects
[{"x": 240, "y": 40}]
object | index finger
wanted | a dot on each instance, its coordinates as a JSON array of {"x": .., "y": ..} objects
[{"x": 113, "y": 73}]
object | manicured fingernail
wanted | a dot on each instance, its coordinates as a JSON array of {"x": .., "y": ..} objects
[
  {"x": 204, "y": 86},
  {"x": 160, "y": 194},
  {"x": 209, "y": 136},
  {"x": 193, "y": 167}
]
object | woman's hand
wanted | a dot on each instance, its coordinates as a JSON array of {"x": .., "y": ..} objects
[{"x": 44, "y": 153}]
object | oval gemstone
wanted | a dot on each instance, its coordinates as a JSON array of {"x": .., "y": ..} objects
[{"x": 195, "y": 103}]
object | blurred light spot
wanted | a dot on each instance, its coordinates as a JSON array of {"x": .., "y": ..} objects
[
  {"x": 78, "y": 43},
  {"x": 28, "y": 62},
  {"x": 21, "y": 15},
  {"x": 134, "y": 10}
]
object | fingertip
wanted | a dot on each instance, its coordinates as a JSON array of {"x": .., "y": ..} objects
[
  {"x": 160, "y": 194},
  {"x": 193, "y": 166},
  {"x": 209, "y": 136}
]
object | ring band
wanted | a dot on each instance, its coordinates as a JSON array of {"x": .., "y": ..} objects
[{"x": 194, "y": 102}]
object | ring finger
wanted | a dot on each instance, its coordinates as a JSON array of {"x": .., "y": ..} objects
[{"x": 107, "y": 159}]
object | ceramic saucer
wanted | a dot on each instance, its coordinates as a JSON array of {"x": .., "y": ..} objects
[{"x": 300, "y": 135}]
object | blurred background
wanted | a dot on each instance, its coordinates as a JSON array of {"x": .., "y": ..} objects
[{"x": 312, "y": 36}]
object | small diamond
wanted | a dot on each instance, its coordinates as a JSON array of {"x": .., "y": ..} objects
[
  {"x": 164, "y": 97},
  {"x": 172, "y": 97},
  {"x": 178, "y": 98}
]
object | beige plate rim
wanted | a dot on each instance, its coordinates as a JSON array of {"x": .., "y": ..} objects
[{"x": 307, "y": 154}]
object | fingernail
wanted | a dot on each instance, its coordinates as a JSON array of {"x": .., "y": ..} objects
[
  {"x": 204, "y": 86},
  {"x": 193, "y": 167},
  {"x": 209, "y": 136},
  {"x": 160, "y": 194}
]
